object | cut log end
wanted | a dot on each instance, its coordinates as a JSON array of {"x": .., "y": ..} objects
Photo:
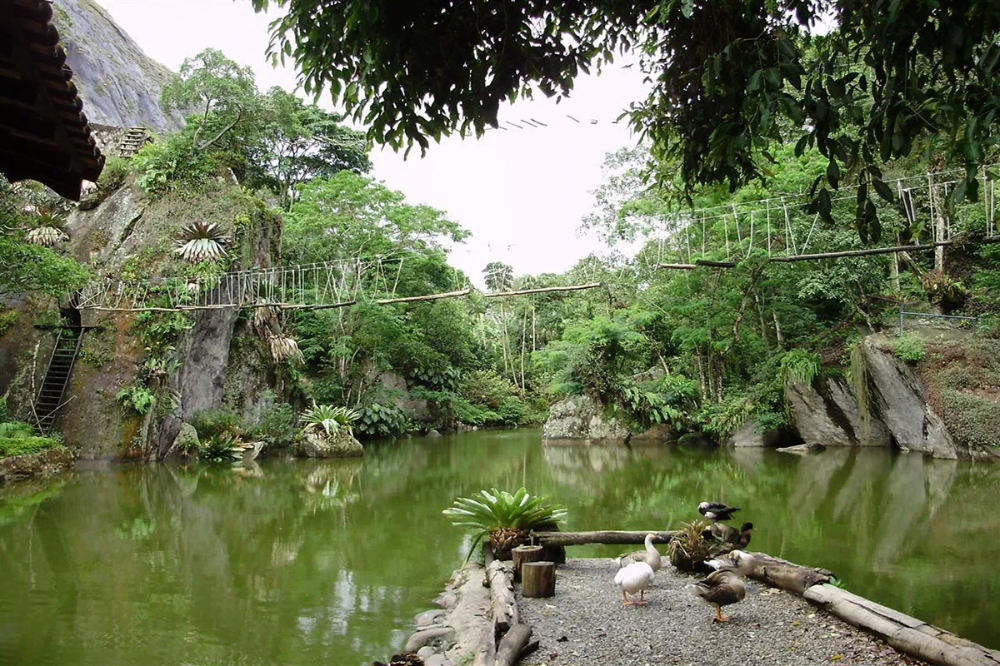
[{"x": 538, "y": 579}]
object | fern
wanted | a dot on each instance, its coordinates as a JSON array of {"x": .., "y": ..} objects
[{"x": 800, "y": 367}]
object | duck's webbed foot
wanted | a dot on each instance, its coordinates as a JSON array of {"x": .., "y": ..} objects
[
  {"x": 719, "y": 617},
  {"x": 642, "y": 600},
  {"x": 625, "y": 599}
]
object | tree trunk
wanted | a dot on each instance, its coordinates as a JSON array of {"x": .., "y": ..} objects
[
  {"x": 538, "y": 579},
  {"x": 524, "y": 342},
  {"x": 503, "y": 338}
]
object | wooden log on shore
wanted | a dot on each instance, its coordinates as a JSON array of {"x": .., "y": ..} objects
[
  {"x": 787, "y": 575},
  {"x": 501, "y": 577},
  {"x": 603, "y": 537},
  {"x": 513, "y": 644},
  {"x": 538, "y": 579},
  {"x": 488, "y": 558},
  {"x": 486, "y": 652},
  {"x": 905, "y": 633},
  {"x": 523, "y": 554}
]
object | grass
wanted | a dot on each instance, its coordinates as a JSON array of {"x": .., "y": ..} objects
[{"x": 23, "y": 446}]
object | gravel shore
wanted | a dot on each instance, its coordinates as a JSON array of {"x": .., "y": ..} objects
[{"x": 585, "y": 623}]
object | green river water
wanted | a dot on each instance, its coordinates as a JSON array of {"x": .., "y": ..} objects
[{"x": 326, "y": 562}]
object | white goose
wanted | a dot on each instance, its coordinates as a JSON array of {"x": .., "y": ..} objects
[
  {"x": 650, "y": 556},
  {"x": 636, "y": 577}
]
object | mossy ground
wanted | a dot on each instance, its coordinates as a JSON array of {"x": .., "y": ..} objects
[
  {"x": 23, "y": 446},
  {"x": 963, "y": 385}
]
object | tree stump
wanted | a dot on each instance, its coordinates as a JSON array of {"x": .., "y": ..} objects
[
  {"x": 538, "y": 579},
  {"x": 524, "y": 554}
]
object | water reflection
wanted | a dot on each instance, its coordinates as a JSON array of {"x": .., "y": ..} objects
[{"x": 300, "y": 562}]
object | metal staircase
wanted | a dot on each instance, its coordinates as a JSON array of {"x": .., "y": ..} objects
[{"x": 50, "y": 396}]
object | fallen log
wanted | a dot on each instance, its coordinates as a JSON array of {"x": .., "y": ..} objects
[
  {"x": 787, "y": 575},
  {"x": 905, "y": 633},
  {"x": 604, "y": 537},
  {"x": 501, "y": 577},
  {"x": 513, "y": 643}
]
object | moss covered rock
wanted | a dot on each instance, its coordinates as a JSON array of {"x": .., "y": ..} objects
[{"x": 338, "y": 445}]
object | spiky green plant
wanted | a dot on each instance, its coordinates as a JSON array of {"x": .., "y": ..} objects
[
  {"x": 504, "y": 518},
  {"x": 220, "y": 448},
  {"x": 47, "y": 230},
  {"x": 201, "y": 242},
  {"x": 326, "y": 420}
]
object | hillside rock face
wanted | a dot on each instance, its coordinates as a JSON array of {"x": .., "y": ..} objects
[
  {"x": 827, "y": 413},
  {"x": 119, "y": 84}
]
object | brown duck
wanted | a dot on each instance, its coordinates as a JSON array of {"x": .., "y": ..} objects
[{"x": 724, "y": 586}]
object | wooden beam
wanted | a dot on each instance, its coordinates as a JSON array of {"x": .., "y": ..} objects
[
  {"x": 613, "y": 537},
  {"x": 428, "y": 297},
  {"x": 884, "y": 250},
  {"x": 544, "y": 290}
]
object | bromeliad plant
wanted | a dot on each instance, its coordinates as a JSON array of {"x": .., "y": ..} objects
[
  {"x": 505, "y": 518},
  {"x": 47, "y": 230},
  {"x": 688, "y": 549},
  {"x": 201, "y": 242},
  {"x": 325, "y": 421}
]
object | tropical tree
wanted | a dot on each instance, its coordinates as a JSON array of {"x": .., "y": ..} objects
[
  {"x": 298, "y": 142},
  {"x": 731, "y": 79}
]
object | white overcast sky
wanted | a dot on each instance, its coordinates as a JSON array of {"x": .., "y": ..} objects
[{"x": 522, "y": 193}]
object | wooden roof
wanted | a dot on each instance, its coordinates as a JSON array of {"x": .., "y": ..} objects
[{"x": 44, "y": 134}]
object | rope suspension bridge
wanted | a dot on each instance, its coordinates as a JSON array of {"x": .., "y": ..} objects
[
  {"x": 722, "y": 236},
  {"x": 317, "y": 286},
  {"x": 767, "y": 225}
]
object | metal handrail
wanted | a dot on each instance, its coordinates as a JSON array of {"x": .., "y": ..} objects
[{"x": 931, "y": 315}]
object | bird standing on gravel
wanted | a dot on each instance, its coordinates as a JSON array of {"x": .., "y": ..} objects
[
  {"x": 650, "y": 556},
  {"x": 717, "y": 510},
  {"x": 723, "y": 587},
  {"x": 636, "y": 577}
]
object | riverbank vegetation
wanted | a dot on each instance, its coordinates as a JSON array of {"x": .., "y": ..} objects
[{"x": 659, "y": 343}]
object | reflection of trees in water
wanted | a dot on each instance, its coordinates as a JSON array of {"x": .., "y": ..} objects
[{"x": 318, "y": 561}]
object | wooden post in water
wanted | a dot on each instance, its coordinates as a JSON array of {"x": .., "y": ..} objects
[
  {"x": 538, "y": 579},
  {"x": 523, "y": 554}
]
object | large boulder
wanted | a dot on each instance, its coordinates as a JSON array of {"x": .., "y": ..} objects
[
  {"x": 339, "y": 445},
  {"x": 582, "y": 417},
  {"x": 826, "y": 412},
  {"x": 900, "y": 399}
]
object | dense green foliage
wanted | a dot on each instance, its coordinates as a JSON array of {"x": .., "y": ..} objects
[
  {"x": 732, "y": 81},
  {"x": 19, "y": 439}
]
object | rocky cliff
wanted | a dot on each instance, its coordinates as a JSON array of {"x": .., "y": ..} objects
[
  {"x": 945, "y": 406},
  {"x": 119, "y": 84},
  {"x": 191, "y": 361}
]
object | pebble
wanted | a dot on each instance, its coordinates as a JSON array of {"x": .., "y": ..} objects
[{"x": 587, "y": 623}]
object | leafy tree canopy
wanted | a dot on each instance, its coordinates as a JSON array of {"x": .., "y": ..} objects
[
  {"x": 348, "y": 215},
  {"x": 730, "y": 77}
]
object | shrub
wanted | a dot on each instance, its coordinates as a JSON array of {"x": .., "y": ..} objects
[
  {"x": 485, "y": 387},
  {"x": 171, "y": 164},
  {"x": 210, "y": 423},
  {"x": 18, "y": 439},
  {"x": 910, "y": 349},
  {"x": 7, "y": 320},
  {"x": 382, "y": 420},
  {"x": 116, "y": 170},
  {"x": 276, "y": 425},
  {"x": 505, "y": 518}
]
